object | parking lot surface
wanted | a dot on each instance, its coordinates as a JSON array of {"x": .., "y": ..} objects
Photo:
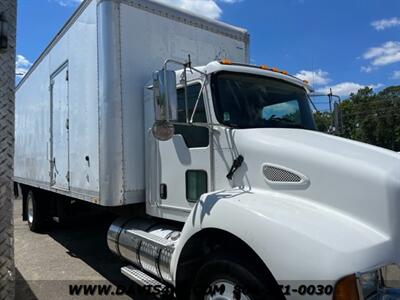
[{"x": 48, "y": 264}]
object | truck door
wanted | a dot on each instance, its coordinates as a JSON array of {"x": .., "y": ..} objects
[
  {"x": 60, "y": 129},
  {"x": 184, "y": 167}
]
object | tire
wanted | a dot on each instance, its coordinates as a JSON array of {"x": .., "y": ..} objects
[
  {"x": 34, "y": 212},
  {"x": 228, "y": 277}
]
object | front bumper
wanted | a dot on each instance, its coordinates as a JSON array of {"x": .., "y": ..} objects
[
  {"x": 381, "y": 284},
  {"x": 387, "y": 294}
]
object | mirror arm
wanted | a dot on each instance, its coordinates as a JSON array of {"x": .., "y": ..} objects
[
  {"x": 201, "y": 124},
  {"x": 312, "y": 102},
  {"x": 186, "y": 95},
  {"x": 198, "y": 100},
  {"x": 330, "y": 95},
  {"x": 187, "y": 65}
]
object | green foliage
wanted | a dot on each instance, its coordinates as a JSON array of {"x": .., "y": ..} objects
[
  {"x": 369, "y": 117},
  {"x": 323, "y": 121}
]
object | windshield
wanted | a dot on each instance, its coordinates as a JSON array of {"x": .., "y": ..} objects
[{"x": 251, "y": 101}]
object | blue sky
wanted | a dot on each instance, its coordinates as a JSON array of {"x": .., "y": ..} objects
[{"x": 339, "y": 44}]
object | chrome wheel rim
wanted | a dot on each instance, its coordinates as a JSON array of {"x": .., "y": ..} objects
[
  {"x": 225, "y": 290},
  {"x": 30, "y": 209}
]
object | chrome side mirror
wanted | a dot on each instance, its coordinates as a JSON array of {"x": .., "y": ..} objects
[
  {"x": 165, "y": 104},
  {"x": 163, "y": 130}
]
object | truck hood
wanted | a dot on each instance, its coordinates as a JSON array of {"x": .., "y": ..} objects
[{"x": 355, "y": 179}]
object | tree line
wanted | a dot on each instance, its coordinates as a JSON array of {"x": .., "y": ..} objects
[{"x": 368, "y": 117}]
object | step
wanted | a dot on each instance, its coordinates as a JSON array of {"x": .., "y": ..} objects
[{"x": 141, "y": 278}]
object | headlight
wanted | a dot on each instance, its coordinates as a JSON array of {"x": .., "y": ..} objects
[
  {"x": 365, "y": 286},
  {"x": 369, "y": 284}
]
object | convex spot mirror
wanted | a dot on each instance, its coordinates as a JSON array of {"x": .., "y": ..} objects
[
  {"x": 165, "y": 104},
  {"x": 163, "y": 130}
]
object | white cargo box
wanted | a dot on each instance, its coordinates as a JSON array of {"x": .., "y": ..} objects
[{"x": 79, "y": 110}]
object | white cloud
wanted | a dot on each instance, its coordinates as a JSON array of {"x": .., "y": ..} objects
[
  {"x": 386, "y": 54},
  {"x": 68, "y": 2},
  {"x": 230, "y": 1},
  {"x": 396, "y": 75},
  {"x": 385, "y": 23},
  {"x": 208, "y": 8},
  {"x": 367, "y": 69},
  {"x": 344, "y": 89},
  {"x": 316, "y": 77},
  {"x": 22, "y": 65}
]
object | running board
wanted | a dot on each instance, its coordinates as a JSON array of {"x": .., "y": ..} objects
[{"x": 141, "y": 278}]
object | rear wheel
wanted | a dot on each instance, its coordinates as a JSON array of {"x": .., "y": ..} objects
[
  {"x": 226, "y": 277},
  {"x": 34, "y": 213}
]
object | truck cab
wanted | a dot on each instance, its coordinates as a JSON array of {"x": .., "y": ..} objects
[
  {"x": 260, "y": 203},
  {"x": 223, "y": 101}
]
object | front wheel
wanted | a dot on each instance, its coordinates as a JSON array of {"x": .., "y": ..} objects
[{"x": 229, "y": 277}]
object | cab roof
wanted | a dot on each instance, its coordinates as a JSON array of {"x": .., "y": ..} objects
[{"x": 225, "y": 65}]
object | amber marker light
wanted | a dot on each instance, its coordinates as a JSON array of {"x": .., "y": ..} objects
[
  {"x": 226, "y": 62},
  {"x": 346, "y": 289}
]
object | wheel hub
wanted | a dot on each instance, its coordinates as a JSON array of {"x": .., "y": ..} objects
[{"x": 225, "y": 290}]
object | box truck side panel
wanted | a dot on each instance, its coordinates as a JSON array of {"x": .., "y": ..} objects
[
  {"x": 110, "y": 108},
  {"x": 32, "y": 127},
  {"x": 57, "y": 136},
  {"x": 83, "y": 104},
  {"x": 147, "y": 40}
]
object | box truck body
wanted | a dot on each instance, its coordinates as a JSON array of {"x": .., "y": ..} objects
[{"x": 80, "y": 108}]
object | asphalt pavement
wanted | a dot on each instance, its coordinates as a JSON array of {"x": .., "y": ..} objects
[{"x": 65, "y": 257}]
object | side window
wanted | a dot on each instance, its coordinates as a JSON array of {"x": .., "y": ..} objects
[
  {"x": 194, "y": 136},
  {"x": 196, "y": 184}
]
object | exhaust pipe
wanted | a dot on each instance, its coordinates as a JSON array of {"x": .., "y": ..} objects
[{"x": 146, "y": 244}]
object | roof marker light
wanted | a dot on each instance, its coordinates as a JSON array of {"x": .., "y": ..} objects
[
  {"x": 264, "y": 67},
  {"x": 285, "y": 72},
  {"x": 225, "y": 62},
  {"x": 274, "y": 70}
]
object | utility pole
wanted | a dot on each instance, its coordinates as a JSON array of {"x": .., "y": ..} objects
[
  {"x": 393, "y": 124},
  {"x": 8, "y": 14}
]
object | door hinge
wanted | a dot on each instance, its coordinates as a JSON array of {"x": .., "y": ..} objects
[
  {"x": 67, "y": 75},
  {"x": 67, "y": 124},
  {"x": 67, "y": 176}
]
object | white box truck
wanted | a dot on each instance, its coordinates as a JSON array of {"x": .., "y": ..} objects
[{"x": 232, "y": 192}]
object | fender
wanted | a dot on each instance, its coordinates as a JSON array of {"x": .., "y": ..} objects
[{"x": 296, "y": 239}]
